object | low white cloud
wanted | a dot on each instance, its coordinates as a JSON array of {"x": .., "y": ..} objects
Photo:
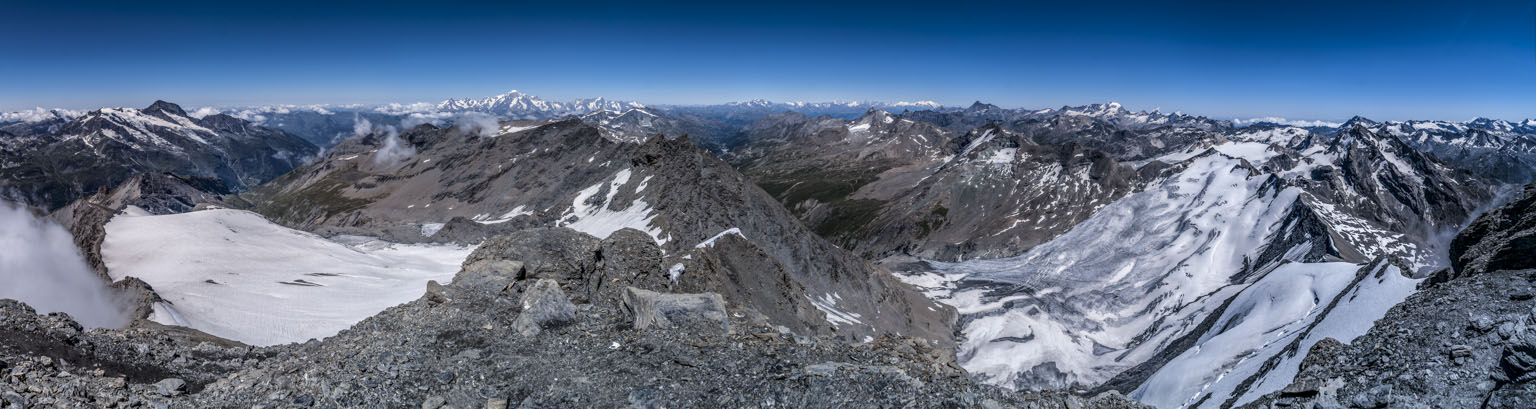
[
  {"x": 203, "y": 112},
  {"x": 39, "y": 115},
  {"x": 484, "y": 125},
  {"x": 478, "y": 123},
  {"x": 434, "y": 118},
  {"x": 402, "y": 109},
  {"x": 361, "y": 126},
  {"x": 394, "y": 149},
  {"x": 41, "y": 267},
  {"x": 1283, "y": 121}
]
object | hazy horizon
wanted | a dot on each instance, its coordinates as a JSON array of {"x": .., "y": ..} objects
[{"x": 1297, "y": 60}]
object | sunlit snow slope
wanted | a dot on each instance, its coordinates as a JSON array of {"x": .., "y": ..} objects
[
  {"x": 236, "y": 275},
  {"x": 1110, "y": 292}
]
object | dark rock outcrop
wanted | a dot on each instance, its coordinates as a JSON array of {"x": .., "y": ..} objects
[{"x": 1502, "y": 239}]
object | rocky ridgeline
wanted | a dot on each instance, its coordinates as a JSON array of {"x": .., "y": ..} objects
[
  {"x": 524, "y": 324},
  {"x": 1467, "y": 339}
]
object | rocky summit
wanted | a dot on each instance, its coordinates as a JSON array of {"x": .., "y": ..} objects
[{"x": 504, "y": 334}]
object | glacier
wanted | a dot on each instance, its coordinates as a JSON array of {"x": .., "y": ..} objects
[{"x": 236, "y": 275}]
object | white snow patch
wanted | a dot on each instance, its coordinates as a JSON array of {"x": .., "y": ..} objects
[
  {"x": 828, "y": 304},
  {"x": 505, "y": 217},
  {"x": 600, "y": 221},
  {"x": 711, "y": 241},
  {"x": 675, "y": 272}
]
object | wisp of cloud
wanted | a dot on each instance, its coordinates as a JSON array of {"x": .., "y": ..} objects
[
  {"x": 484, "y": 125},
  {"x": 41, "y": 267}
]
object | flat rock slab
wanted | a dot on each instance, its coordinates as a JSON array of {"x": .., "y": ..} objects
[{"x": 653, "y": 309}]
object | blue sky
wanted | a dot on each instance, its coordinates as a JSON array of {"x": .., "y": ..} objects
[{"x": 1295, "y": 59}]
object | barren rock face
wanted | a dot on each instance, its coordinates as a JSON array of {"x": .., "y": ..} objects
[{"x": 1502, "y": 239}]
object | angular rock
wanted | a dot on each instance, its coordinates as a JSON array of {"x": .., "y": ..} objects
[
  {"x": 544, "y": 307},
  {"x": 1377, "y": 397},
  {"x": 650, "y": 308},
  {"x": 171, "y": 387},
  {"x": 490, "y": 275},
  {"x": 1518, "y": 359}
]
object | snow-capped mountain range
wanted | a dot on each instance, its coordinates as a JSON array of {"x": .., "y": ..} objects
[
  {"x": 517, "y": 105},
  {"x": 56, "y": 158},
  {"x": 1185, "y": 261}
]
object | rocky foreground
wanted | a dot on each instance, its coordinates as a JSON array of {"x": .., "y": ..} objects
[{"x": 503, "y": 334}]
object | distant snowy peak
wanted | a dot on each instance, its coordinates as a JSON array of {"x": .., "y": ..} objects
[
  {"x": 802, "y": 105},
  {"x": 162, "y": 125},
  {"x": 1115, "y": 114},
  {"x": 1096, "y": 110},
  {"x": 917, "y": 104},
  {"x": 1281, "y": 121},
  {"x": 519, "y": 105}
]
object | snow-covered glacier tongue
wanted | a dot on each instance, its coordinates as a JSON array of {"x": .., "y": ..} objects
[
  {"x": 236, "y": 275},
  {"x": 1120, "y": 286}
]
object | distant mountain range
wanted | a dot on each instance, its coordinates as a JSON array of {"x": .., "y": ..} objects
[
  {"x": 56, "y": 157},
  {"x": 1184, "y": 261}
]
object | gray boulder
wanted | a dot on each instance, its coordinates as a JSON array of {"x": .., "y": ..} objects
[
  {"x": 489, "y": 275},
  {"x": 653, "y": 309},
  {"x": 560, "y": 254},
  {"x": 544, "y": 307}
]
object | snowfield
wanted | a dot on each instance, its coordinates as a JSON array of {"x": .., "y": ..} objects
[{"x": 236, "y": 275}]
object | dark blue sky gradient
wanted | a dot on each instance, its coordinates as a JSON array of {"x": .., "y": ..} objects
[{"x": 1301, "y": 60}]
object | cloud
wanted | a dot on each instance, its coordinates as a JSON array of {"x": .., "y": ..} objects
[
  {"x": 1283, "y": 121},
  {"x": 434, "y": 118},
  {"x": 394, "y": 149},
  {"x": 402, "y": 109},
  {"x": 42, "y": 267},
  {"x": 477, "y": 123},
  {"x": 39, "y": 115},
  {"x": 203, "y": 112},
  {"x": 361, "y": 126}
]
